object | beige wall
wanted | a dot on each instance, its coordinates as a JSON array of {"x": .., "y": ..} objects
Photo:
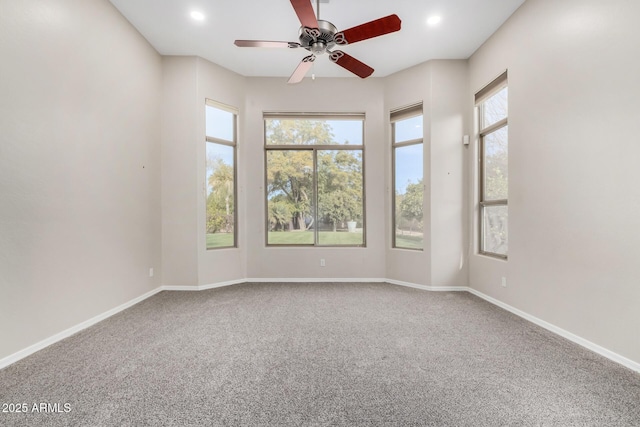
[
  {"x": 187, "y": 83},
  {"x": 321, "y": 95},
  {"x": 448, "y": 167},
  {"x": 402, "y": 89},
  {"x": 179, "y": 183},
  {"x": 574, "y": 227},
  {"x": 79, "y": 166},
  {"x": 221, "y": 85},
  {"x": 442, "y": 86}
]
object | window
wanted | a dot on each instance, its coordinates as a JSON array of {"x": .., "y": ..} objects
[
  {"x": 492, "y": 103},
  {"x": 314, "y": 179},
  {"x": 221, "y": 138},
  {"x": 407, "y": 154}
]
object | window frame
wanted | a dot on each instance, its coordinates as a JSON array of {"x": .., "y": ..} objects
[
  {"x": 397, "y": 115},
  {"x": 314, "y": 149},
  {"x": 481, "y": 97},
  {"x": 234, "y": 144}
]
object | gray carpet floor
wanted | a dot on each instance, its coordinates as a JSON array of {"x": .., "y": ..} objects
[{"x": 319, "y": 354}]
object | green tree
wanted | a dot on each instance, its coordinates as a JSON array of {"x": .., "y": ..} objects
[
  {"x": 279, "y": 215},
  {"x": 398, "y": 212},
  {"x": 220, "y": 203},
  {"x": 290, "y": 173},
  {"x": 411, "y": 204},
  {"x": 496, "y": 165},
  {"x": 340, "y": 186},
  {"x": 290, "y": 176},
  {"x": 496, "y": 144},
  {"x": 299, "y": 132}
]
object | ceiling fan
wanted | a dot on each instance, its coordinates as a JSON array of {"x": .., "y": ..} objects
[{"x": 319, "y": 37}]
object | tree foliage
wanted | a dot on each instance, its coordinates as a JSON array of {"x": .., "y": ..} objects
[
  {"x": 495, "y": 174},
  {"x": 290, "y": 180},
  {"x": 279, "y": 215},
  {"x": 220, "y": 198},
  {"x": 411, "y": 204},
  {"x": 496, "y": 166},
  {"x": 290, "y": 177},
  {"x": 299, "y": 132},
  {"x": 495, "y": 163},
  {"x": 340, "y": 186}
]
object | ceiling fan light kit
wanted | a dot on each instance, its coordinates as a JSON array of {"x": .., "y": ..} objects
[{"x": 320, "y": 37}]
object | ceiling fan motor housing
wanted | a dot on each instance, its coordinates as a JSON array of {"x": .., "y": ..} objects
[{"x": 317, "y": 41}]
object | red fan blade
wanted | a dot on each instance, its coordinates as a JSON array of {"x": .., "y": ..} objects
[
  {"x": 302, "y": 69},
  {"x": 305, "y": 13},
  {"x": 379, "y": 27},
  {"x": 263, "y": 43},
  {"x": 350, "y": 63}
]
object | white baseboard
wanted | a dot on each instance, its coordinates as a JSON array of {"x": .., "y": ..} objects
[
  {"x": 202, "y": 287},
  {"x": 428, "y": 288},
  {"x": 317, "y": 280},
  {"x": 74, "y": 329},
  {"x": 180, "y": 288},
  {"x": 563, "y": 333},
  {"x": 559, "y": 331}
]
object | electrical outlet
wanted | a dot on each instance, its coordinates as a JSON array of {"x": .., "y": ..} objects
[
  {"x": 322, "y": 263},
  {"x": 504, "y": 282},
  {"x": 151, "y": 272}
]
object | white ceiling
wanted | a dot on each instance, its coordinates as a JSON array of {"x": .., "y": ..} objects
[{"x": 167, "y": 25}]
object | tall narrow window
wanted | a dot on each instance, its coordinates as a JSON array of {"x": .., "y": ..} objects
[
  {"x": 221, "y": 139},
  {"x": 492, "y": 103},
  {"x": 315, "y": 180},
  {"x": 407, "y": 146}
]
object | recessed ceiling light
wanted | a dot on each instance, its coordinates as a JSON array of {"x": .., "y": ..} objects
[
  {"x": 433, "y": 20},
  {"x": 198, "y": 16}
]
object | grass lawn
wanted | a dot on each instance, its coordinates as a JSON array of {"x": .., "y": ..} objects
[
  {"x": 306, "y": 237},
  {"x": 219, "y": 240},
  {"x": 340, "y": 238},
  {"x": 409, "y": 242},
  {"x": 225, "y": 240}
]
